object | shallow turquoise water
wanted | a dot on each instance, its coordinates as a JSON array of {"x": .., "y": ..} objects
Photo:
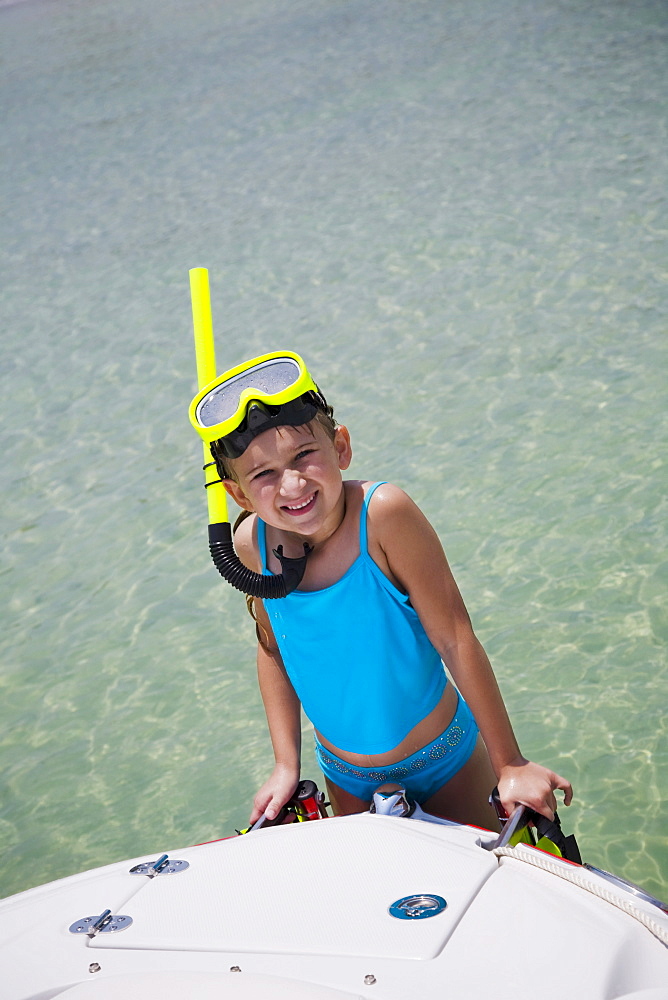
[{"x": 457, "y": 213}]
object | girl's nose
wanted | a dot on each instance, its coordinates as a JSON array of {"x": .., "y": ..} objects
[{"x": 291, "y": 483}]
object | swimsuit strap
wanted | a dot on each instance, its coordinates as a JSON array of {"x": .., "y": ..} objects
[
  {"x": 364, "y": 511},
  {"x": 262, "y": 543}
]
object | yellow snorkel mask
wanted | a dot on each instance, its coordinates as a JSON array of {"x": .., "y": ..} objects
[{"x": 270, "y": 391}]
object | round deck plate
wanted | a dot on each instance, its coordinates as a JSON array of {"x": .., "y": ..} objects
[{"x": 417, "y": 907}]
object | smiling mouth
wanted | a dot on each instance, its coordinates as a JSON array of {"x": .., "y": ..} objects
[{"x": 301, "y": 508}]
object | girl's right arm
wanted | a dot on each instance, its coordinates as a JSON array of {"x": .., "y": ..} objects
[
  {"x": 283, "y": 711},
  {"x": 281, "y": 704}
]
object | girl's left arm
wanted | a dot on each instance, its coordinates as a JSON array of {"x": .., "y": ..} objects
[{"x": 416, "y": 560}]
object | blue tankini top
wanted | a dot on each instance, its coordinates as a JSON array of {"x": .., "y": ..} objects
[{"x": 356, "y": 654}]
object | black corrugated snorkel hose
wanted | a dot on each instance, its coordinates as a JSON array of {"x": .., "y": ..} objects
[
  {"x": 221, "y": 546},
  {"x": 232, "y": 569}
]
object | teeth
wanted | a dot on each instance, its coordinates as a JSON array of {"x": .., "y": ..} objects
[{"x": 300, "y": 505}]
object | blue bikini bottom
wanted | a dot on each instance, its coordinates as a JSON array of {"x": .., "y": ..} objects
[{"x": 421, "y": 774}]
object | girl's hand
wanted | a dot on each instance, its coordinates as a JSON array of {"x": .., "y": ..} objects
[
  {"x": 528, "y": 784},
  {"x": 275, "y": 792}
]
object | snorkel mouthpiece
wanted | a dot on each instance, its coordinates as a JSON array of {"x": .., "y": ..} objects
[{"x": 221, "y": 544}]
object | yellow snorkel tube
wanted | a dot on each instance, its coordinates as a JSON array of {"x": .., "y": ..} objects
[
  {"x": 221, "y": 545},
  {"x": 205, "y": 356}
]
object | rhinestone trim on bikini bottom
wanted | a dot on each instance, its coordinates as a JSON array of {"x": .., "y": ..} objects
[{"x": 441, "y": 747}]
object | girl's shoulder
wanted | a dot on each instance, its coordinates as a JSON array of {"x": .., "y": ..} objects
[
  {"x": 394, "y": 525},
  {"x": 383, "y": 491},
  {"x": 388, "y": 502},
  {"x": 245, "y": 541},
  {"x": 382, "y": 500},
  {"x": 395, "y": 521}
]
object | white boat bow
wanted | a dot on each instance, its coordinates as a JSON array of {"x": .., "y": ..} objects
[{"x": 369, "y": 906}]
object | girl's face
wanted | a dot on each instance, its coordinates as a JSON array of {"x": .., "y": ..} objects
[{"x": 291, "y": 477}]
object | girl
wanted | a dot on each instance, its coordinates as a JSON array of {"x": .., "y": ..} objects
[{"x": 361, "y": 643}]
